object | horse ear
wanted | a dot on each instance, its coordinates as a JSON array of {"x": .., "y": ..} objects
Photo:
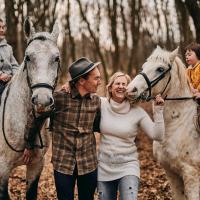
[
  {"x": 55, "y": 32},
  {"x": 158, "y": 47},
  {"x": 29, "y": 30},
  {"x": 173, "y": 54}
]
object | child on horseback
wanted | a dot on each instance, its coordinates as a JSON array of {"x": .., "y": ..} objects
[
  {"x": 8, "y": 63},
  {"x": 192, "y": 57}
]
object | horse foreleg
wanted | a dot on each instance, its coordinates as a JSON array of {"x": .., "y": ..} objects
[
  {"x": 191, "y": 183},
  {"x": 32, "y": 176},
  {"x": 176, "y": 184},
  {"x": 4, "y": 176},
  {"x": 4, "y": 188}
]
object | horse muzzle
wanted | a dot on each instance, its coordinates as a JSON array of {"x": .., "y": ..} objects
[
  {"x": 42, "y": 103},
  {"x": 133, "y": 94}
]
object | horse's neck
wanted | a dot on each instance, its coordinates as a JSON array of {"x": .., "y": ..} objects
[
  {"x": 17, "y": 106},
  {"x": 17, "y": 98},
  {"x": 19, "y": 88},
  {"x": 178, "y": 87}
]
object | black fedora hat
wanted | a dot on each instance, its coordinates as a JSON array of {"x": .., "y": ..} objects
[{"x": 81, "y": 67}]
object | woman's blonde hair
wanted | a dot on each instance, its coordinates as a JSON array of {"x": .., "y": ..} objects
[{"x": 112, "y": 80}]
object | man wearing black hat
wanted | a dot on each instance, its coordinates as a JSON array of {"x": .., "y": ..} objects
[{"x": 74, "y": 146}]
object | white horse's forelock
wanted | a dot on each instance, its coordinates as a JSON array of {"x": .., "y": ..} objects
[
  {"x": 162, "y": 56},
  {"x": 159, "y": 55}
]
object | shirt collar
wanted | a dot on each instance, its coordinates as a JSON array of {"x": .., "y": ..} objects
[
  {"x": 3, "y": 42},
  {"x": 196, "y": 65},
  {"x": 75, "y": 94}
]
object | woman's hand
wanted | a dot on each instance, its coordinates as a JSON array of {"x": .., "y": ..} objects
[
  {"x": 159, "y": 101},
  {"x": 65, "y": 87}
]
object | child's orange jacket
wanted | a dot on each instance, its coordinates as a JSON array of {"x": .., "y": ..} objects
[{"x": 193, "y": 74}]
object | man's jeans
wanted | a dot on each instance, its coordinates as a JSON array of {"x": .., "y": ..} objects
[
  {"x": 127, "y": 186},
  {"x": 65, "y": 185}
]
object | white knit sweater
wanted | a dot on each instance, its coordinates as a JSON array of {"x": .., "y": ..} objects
[{"x": 119, "y": 125}]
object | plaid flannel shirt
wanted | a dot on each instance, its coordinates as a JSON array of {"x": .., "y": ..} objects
[{"x": 73, "y": 137}]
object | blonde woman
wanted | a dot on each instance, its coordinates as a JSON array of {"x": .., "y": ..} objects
[{"x": 118, "y": 164}]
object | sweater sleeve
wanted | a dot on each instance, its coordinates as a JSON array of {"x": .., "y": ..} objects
[
  {"x": 13, "y": 61},
  {"x": 155, "y": 130}
]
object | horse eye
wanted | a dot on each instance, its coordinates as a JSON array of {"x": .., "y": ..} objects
[
  {"x": 57, "y": 59},
  {"x": 160, "y": 69},
  {"x": 2, "y": 60},
  {"x": 27, "y": 58}
]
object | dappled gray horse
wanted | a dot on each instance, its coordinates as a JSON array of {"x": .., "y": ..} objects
[
  {"x": 179, "y": 152},
  {"x": 5, "y": 67},
  {"x": 30, "y": 91}
]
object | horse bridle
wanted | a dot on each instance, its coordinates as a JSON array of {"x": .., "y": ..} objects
[
  {"x": 37, "y": 85},
  {"x": 151, "y": 84},
  {"x": 154, "y": 82},
  {"x": 40, "y": 85}
]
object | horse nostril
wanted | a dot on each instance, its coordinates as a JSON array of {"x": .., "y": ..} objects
[
  {"x": 51, "y": 101},
  {"x": 33, "y": 99},
  {"x": 52, "y": 106},
  {"x": 134, "y": 89}
]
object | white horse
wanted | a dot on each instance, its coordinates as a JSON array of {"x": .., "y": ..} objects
[
  {"x": 179, "y": 152},
  {"x": 30, "y": 91}
]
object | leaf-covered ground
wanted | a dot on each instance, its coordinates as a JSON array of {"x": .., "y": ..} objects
[{"x": 153, "y": 186}]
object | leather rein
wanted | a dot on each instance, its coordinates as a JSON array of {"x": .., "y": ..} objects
[
  {"x": 38, "y": 85},
  {"x": 154, "y": 82}
]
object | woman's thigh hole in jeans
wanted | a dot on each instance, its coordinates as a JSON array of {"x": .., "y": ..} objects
[{"x": 128, "y": 187}]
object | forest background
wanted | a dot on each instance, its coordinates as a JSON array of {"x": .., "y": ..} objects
[{"x": 119, "y": 33}]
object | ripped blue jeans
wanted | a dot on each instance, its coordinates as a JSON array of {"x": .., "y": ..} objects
[{"x": 127, "y": 186}]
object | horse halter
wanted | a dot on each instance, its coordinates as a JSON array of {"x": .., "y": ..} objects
[
  {"x": 40, "y": 85},
  {"x": 152, "y": 83}
]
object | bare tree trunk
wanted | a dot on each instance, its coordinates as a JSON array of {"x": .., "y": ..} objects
[
  {"x": 68, "y": 27},
  {"x": 112, "y": 14},
  {"x": 11, "y": 21},
  {"x": 124, "y": 50},
  {"x": 183, "y": 20},
  {"x": 194, "y": 10},
  {"x": 165, "y": 12},
  {"x": 157, "y": 15},
  {"x": 64, "y": 61},
  {"x": 95, "y": 40},
  {"x": 135, "y": 8}
]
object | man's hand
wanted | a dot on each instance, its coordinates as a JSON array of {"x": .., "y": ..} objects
[
  {"x": 5, "y": 77},
  {"x": 28, "y": 156}
]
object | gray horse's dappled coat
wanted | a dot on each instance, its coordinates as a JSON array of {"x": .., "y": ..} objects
[{"x": 30, "y": 88}]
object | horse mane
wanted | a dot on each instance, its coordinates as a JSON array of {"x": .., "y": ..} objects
[
  {"x": 41, "y": 36},
  {"x": 180, "y": 68}
]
